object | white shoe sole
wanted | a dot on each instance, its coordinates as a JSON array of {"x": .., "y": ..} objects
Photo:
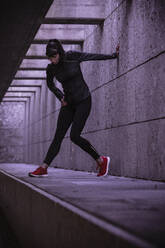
[{"x": 31, "y": 175}]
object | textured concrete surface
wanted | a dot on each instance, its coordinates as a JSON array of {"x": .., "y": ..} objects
[
  {"x": 11, "y": 131},
  {"x": 66, "y": 32},
  {"x": 132, "y": 205},
  {"x": 77, "y": 8},
  {"x": 127, "y": 118},
  {"x": 128, "y": 94}
]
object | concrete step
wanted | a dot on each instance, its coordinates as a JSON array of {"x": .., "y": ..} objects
[{"x": 78, "y": 209}]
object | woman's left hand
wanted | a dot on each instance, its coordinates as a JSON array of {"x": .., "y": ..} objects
[{"x": 63, "y": 103}]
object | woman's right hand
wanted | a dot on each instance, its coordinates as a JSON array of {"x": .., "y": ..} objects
[
  {"x": 63, "y": 103},
  {"x": 117, "y": 49}
]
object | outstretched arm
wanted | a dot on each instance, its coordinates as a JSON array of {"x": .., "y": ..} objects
[
  {"x": 95, "y": 56},
  {"x": 49, "y": 79},
  {"x": 81, "y": 56}
]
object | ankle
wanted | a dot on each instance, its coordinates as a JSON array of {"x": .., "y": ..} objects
[
  {"x": 45, "y": 166},
  {"x": 99, "y": 160}
]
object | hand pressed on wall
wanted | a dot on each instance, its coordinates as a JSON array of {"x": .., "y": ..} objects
[{"x": 117, "y": 49}]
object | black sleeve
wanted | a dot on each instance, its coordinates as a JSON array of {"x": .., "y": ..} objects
[
  {"x": 81, "y": 56},
  {"x": 49, "y": 79}
]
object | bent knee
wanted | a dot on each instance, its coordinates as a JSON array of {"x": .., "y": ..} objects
[{"x": 74, "y": 137}]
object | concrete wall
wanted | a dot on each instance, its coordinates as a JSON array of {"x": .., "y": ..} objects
[
  {"x": 11, "y": 132},
  {"x": 127, "y": 118}
]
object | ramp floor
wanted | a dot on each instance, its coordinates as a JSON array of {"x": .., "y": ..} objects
[{"x": 133, "y": 205}]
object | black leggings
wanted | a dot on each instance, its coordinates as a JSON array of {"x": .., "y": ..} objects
[{"x": 77, "y": 115}]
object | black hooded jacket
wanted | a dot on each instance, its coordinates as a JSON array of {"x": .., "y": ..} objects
[{"x": 68, "y": 73}]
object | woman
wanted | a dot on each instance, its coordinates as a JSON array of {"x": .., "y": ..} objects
[{"x": 75, "y": 102}]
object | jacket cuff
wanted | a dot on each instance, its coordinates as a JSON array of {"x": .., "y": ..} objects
[{"x": 114, "y": 55}]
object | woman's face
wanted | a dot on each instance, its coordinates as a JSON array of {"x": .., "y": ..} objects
[{"x": 55, "y": 58}]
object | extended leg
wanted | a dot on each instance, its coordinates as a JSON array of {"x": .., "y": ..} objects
[
  {"x": 79, "y": 120},
  {"x": 65, "y": 119},
  {"x": 80, "y": 117}
]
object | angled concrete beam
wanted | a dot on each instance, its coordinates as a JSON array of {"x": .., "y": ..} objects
[
  {"x": 77, "y": 8},
  {"x": 21, "y": 73},
  {"x": 27, "y": 83},
  {"x": 36, "y": 50},
  {"x": 22, "y": 89},
  {"x": 15, "y": 99},
  {"x": 36, "y": 57},
  {"x": 64, "y": 32},
  {"x": 40, "y": 49},
  {"x": 31, "y": 69},
  {"x": 68, "y": 47},
  {"x": 19, "y": 94},
  {"x": 31, "y": 63},
  {"x": 30, "y": 78},
  {"x": 72, "y": 20},
  {"x": 63, "y": 41}
]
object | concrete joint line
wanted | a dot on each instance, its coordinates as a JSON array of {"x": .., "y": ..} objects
[
  {"x": 85, "y": 215},
  {"x": 30, "y": 78},
  {"x": 131, "y": 69},
  {"x": 124, "y": 125},
  {"x": 103, "y": 23},
  {"x": 113, "y": 12}
]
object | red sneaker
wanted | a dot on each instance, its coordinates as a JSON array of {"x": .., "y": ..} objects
[
  {"x": 104, "y": 167},
  {"x": 39, "y": 172}
]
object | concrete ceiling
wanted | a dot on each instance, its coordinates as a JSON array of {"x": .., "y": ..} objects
[
  {"x": 26, "y": 29},
  {"x": 19, "y": 21}
]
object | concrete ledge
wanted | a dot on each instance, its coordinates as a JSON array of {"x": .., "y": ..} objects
[{"x": 42, "y": 220}]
